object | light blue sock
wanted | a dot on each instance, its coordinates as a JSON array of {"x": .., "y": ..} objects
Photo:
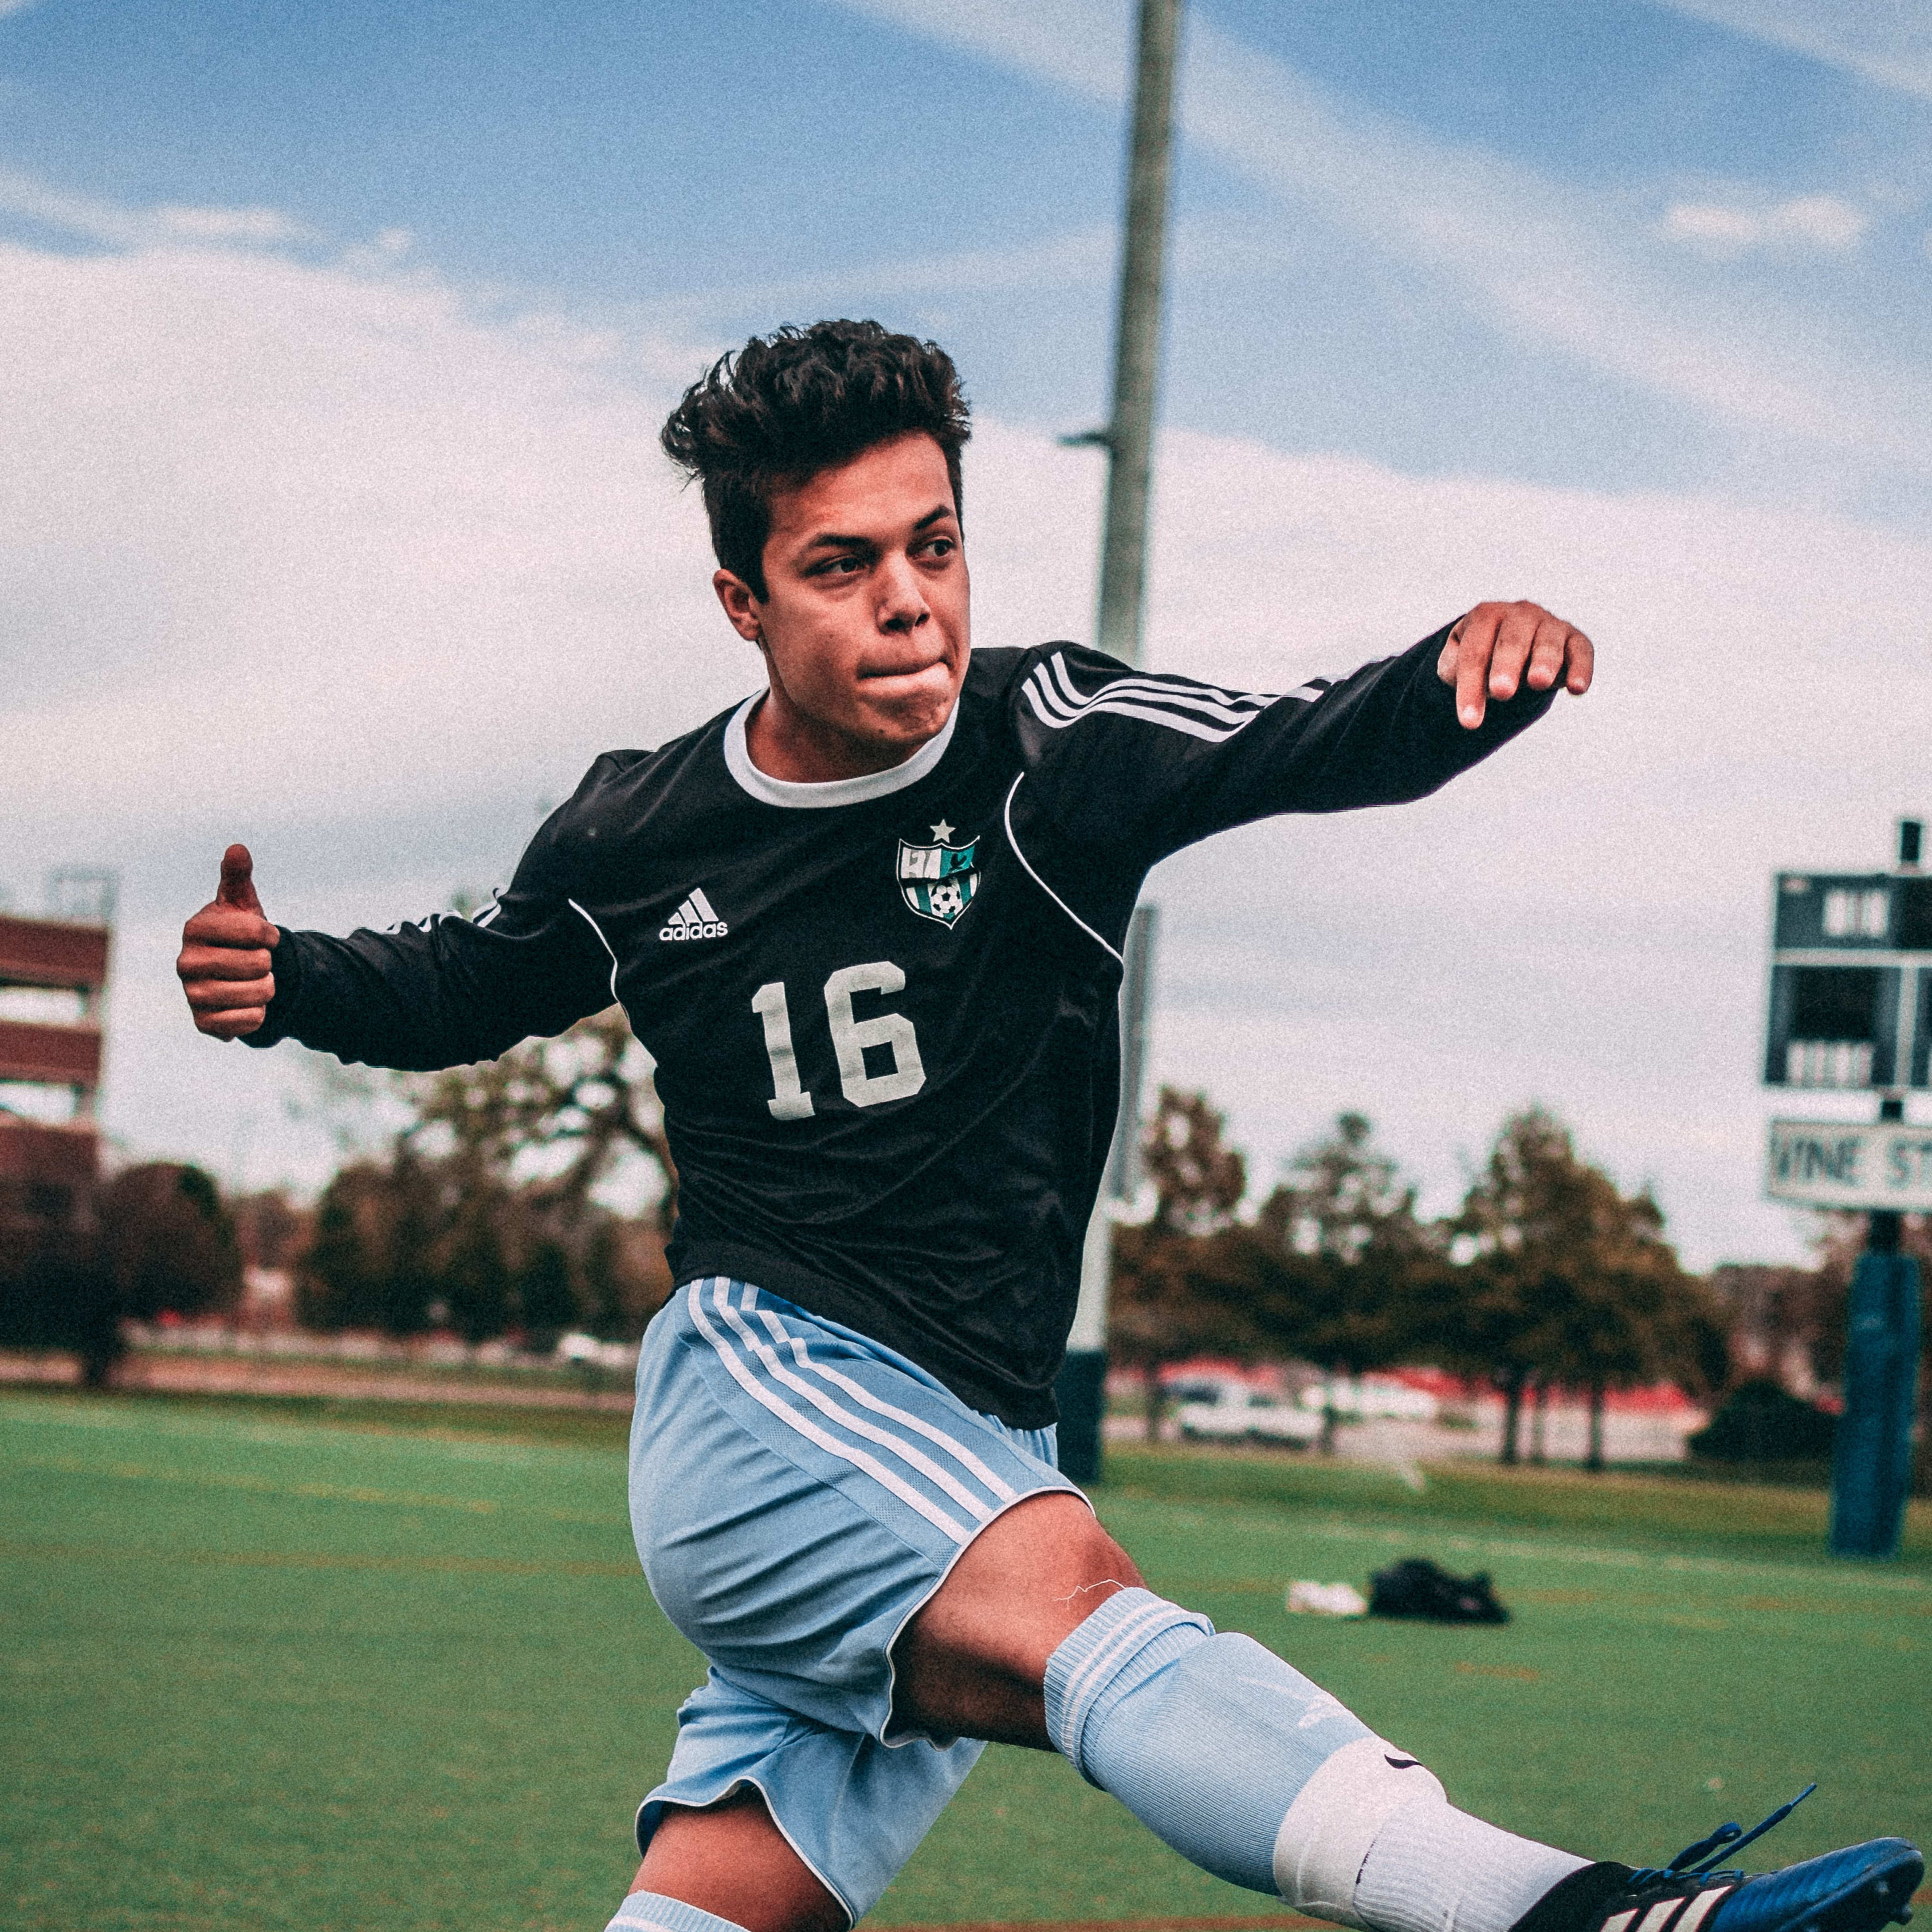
[
  {"x": 651, "y": 1912},
  {"x": 1244, "y": 1766},
  {"x": 1206, "y": 1739}
]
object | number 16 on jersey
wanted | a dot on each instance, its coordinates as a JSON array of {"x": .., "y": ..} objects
[{"x": 891, "y": 1034}]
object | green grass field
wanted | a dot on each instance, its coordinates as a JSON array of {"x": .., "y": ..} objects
[{"x": 272, "y": 1665}]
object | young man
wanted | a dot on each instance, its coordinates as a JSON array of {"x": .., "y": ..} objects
[{"x": 869, "y": 923}]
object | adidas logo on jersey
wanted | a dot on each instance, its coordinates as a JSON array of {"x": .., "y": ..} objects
[{"x": 696, "y": 919}]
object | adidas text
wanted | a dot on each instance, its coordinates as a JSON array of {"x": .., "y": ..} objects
[{"x": 695, "y": 918}]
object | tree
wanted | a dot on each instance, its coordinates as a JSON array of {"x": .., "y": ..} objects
[
  {"x": 1521, "y": 1222},
  {"x": 546, "y": 1296},
  {"x": 1345, "y": 1266},
  {"x": 1568, "y": 1279},
  {"x": 1344, "y": 1195},
  {"x": 474, "y": 1273},
  {"x": 485, "y": 1212},
  {"x": 370, "y": 1264},
  {"x": 1776, "y": 1315},
  {"x": 1178, "y": 1288},
  {"x": 560, "y": 1116},
  {"x": 624, "y": 1278},
  {"x": 374, "y": 1260},
  {"x": 1629, "y": 1314},
  {"x": 156, "y": 1239},
  {"x": 269, "y": 1229},
  {"x": 1199, "y": 1180},
  {"x": 168, "y": 1242},
  {"x": 1762, "y": 1421},
  {"x": 409, "y": 1289},
  {"x": 55, "y": 1291},
  {"x": 541, "y": 1134}
]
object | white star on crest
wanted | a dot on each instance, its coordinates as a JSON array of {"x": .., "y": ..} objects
[{"x": 942, "y": 832}]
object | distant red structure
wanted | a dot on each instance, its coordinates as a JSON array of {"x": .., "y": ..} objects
[
  {"x": 48, "y": 1169},
  {"x": 54, "y": 1288}
]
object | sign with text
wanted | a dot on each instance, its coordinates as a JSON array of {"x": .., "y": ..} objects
[
  {"x": 1851, "y": 981},
  {"x": 1846, "y": 1164}
]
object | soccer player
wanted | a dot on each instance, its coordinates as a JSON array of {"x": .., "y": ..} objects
[{"x": 869, "y": 923}]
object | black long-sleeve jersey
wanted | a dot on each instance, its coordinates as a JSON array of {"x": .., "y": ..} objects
[{"x": 884, "y": 1010}]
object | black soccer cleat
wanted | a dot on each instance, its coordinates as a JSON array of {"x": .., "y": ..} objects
[{"x": 1861, "y": 1889}]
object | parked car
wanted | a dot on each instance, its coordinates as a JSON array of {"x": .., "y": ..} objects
[
  {"x": 1373, "y": 1396},
  {"x": 1235, "y": 1413},
  {"x": 1202, "y": 1386}
]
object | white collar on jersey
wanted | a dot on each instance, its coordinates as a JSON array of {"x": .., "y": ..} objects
[{"x": 789, "y": 792}]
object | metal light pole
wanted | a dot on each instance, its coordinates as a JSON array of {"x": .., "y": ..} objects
[
  {"x": 1128, "y": 439},
  {"x": 1137, "y": 337}
]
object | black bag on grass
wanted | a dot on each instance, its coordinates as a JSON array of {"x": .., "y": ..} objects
[{"x": 1416, "y": 1587}]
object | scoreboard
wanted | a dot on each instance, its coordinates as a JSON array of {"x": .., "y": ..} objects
[{"x": 1851, "y": 981}]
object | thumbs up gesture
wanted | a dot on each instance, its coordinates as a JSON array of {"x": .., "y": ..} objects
[{"x": 224, "y": 965}]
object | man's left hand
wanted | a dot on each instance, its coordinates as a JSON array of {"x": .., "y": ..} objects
[{"x": 1496, "y": 647}]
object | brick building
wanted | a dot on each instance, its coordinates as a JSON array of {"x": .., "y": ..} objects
[{"x": 53, "y": 978}]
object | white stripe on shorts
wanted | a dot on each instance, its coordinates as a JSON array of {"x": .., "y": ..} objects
[
  {"x": 914, "y": 1458},
  {"x": 801, "y": 1354},
  {"x": 742, "y": 1373}
]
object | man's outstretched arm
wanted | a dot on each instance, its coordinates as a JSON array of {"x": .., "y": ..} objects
[
  {"x": 1140, "y": 764},
  {"x": 442, "y": 993}
]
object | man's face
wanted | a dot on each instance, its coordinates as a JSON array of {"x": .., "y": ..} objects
[{"x": 864, "y": 624}]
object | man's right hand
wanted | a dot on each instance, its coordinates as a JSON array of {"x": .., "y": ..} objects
[{"x": 225, "y": 966}]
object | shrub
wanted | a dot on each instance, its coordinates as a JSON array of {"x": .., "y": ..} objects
[{"x": 1761, "y": 1422}]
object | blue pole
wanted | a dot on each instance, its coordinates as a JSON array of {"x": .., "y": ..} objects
[{"x": 1871, "y": 1470}]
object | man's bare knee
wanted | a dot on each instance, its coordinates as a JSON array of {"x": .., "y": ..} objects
[
  {"x": 973, "y": 1660},
  {"x": 731, "y": 1860}
]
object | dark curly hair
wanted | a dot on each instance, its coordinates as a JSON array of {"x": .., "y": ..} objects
[{"x": 776, "y": 413}]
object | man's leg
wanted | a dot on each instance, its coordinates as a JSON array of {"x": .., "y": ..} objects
[
  {"x": 797, "y": 1494},
  {"x": 730, "y": 1862},
  {"x": 977, "y": 1655},
  {"x": 1041, "y": 1636}
]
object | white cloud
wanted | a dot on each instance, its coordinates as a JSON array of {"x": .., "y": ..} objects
[
  {"x": 122, "y": 227},
  {"x": 264, "y": 226},
  {"x": 1812, "y": 221},
  {"x": 77, "y": 215},
  {"x": 1886, "y": 42},
  {"x": 1546, "y": 264},
  {"x": 1058, "y": 260},
  {"x": 307, "y": 496},
  {"x": 386, "y": 250},
  {"x": 287, "y": 549},
  {"x": 8, "y": 6}
]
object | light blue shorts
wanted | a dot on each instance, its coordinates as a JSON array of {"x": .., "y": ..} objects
[{"x": 797, "y": 1492}]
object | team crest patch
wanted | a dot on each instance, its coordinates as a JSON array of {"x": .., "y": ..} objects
[{"x": 939, "y": 880}]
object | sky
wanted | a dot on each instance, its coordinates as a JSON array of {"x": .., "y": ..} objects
[{"x": 334, "y": 342}]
